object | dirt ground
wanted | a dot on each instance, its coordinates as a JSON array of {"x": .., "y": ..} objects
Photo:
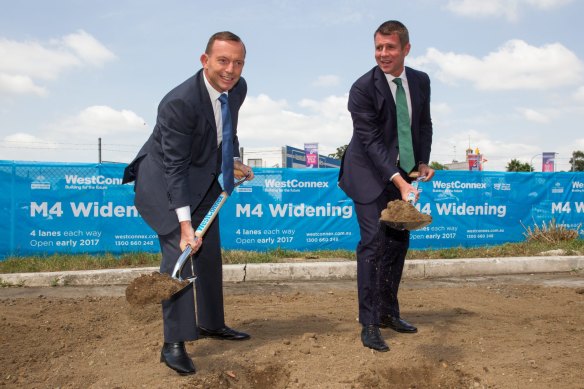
[{"x": 485, "y": 332}]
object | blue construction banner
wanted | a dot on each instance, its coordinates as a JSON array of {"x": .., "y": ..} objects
[
  {"x": 490, "y": 208},
  {"x": 299, "y": 209},
  {"x": 51, "y": 208},
  {"x": 48, "y": 208}
]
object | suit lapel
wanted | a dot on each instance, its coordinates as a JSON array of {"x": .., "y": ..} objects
[
  {"x": 414, "y": 88},
  {"x": 383, "y": 90},
  {"x": 205, "y": 100}
]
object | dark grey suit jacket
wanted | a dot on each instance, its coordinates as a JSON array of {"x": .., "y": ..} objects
[
  {"x": 178, "y": 163},
  {"x": 371, "y": 157}
]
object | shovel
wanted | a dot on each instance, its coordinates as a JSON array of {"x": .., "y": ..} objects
[
  {"x": 156, "y": 287},
  {"x": 402, "y": 215},
  {"x": 199, "y": 232}
]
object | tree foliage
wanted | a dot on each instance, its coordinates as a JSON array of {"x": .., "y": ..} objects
[
  {"x": 577, "y": 161},
  {"x": 437, "y": 166},
  {"x": 339, "y": 153},
  {"x": 516, "y": 165}
]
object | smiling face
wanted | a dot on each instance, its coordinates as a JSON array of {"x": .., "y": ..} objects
[
  {"x": 389, "y": 53},
  {"x": 223, "y": 64}
]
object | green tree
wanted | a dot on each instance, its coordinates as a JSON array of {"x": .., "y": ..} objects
[
  {"x": 437, "y": 166},
  {"x": 577, "y": 161},
  {"x": 517, "y": 166},
  {"x": 339, "y": 153}
]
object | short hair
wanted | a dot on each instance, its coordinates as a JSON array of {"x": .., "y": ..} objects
[
  {"x": 223, "y": 36},
  {"x": 394, "y": 27}
]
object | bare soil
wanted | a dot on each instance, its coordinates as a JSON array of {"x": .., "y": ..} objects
[
  {"x": 403, "y": 215},
  {"x": 153, "y": 288},
  {"x": 486, "y": 332}
]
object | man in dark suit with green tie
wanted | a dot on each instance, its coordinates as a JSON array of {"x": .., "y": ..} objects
[
  {"x": 176, "y": 181},
  {"x": 392, "y": 136}
]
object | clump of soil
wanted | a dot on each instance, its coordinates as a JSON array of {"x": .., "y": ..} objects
[
  {"x": 153, "y": 288},
  {"x": 404, "y": 216}
]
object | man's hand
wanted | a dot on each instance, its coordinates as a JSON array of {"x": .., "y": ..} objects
[
  {"x": 426, "y": 171},
  {"x": 187, "y": 237},
  {"x": 240, "y": 170},
  {"x": 405, "y": 188}
]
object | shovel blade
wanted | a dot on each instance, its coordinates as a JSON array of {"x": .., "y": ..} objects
[{"x": 190, "y": 280}]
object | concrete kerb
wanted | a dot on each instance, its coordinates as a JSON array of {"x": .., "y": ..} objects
[{"x": 316, "y": 271}]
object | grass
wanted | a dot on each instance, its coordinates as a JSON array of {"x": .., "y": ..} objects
[
  {"x": 522, "y": 249},
  {"x": 61, "y": 262},
  {"x": 551, "y": 232},
  {"x": 108, "y": 261}
]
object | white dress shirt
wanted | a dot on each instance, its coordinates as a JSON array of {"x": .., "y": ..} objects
[{"x": 393, "y": 88}]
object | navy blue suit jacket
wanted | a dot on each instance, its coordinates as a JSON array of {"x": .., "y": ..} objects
[
  {"x": 178, "y": 163},
  {"x": 371, "y": 157}
]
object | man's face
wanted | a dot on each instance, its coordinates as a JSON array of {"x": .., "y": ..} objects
[
  {"x": 389, "y": 54},
  {"x": 223, "y": 65}
]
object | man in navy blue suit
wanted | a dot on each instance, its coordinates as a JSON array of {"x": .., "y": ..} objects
[
  {"x": 176, "y": 182},
  {"x": 372, "y": 174}
]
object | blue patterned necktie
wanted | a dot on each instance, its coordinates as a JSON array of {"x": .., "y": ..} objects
[
  {"x": 404, "y": 130},
  {"x": 227, "y": 145}
]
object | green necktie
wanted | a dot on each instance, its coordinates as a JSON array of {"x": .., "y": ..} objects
[{"x": 404, "y": 131}]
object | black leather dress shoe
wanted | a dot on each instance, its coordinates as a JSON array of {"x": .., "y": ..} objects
[
  {"x": 175, "y": 356},
  {"x": 371, "y": 337},
  {"x": 224, "y": 333},
  {"x": 397, "y": 324}
]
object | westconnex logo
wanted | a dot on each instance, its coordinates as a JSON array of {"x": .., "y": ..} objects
[
  {"x": 441, "y": 185},
  {"x": 577, "y": 186},
  {"x": 294, "y": 184},
  {"x": 91, "y": 180}
]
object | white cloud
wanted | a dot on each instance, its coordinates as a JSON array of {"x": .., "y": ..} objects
[
  {"x": 89, "y": 49},
  {"x": 441, "y": 109},
  {"x": 548, "y": 4},
  {"x": 25, "y": 63},
  {"x": 264, "y": 122},
  {"x": 500, "y": 8},
  {"x": 514, "y": 66},
  {"x": 19, "y": 85},
  {"x": 27, "y": 147},
  {"x": 331, "y": 108},
  {"x": 534, "y": 116},
  {"x": 579, "y": 94},
  {"x": 327, "y": 80},
  {"x": 29, "y": 141},
  {"x": 484, "y": 8},
  {"x": 341, "y": 14},
  {"x": 75, "y": 138},
  {"x": 35, "y": 60},
  {"x": 578, "y": 144},
  {"x": 100, "y": 120},
  {"x": 497, "y": 152}
]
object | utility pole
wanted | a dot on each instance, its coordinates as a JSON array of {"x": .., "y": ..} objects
[{"x": 99, "y": 150}]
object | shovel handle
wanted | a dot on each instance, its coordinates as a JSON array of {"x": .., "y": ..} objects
[
  {"x": 415, "y": 184},
  {"x": 412, "y": 195},
  {"x": 202, "y": 228}
]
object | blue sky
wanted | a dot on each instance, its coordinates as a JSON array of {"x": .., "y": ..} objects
[{"x": 507, "y": 75}]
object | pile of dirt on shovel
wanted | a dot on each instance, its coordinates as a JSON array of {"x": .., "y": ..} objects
[
  {"x": 153, "y": 288},
  {"x": 399, "y": 211}
]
